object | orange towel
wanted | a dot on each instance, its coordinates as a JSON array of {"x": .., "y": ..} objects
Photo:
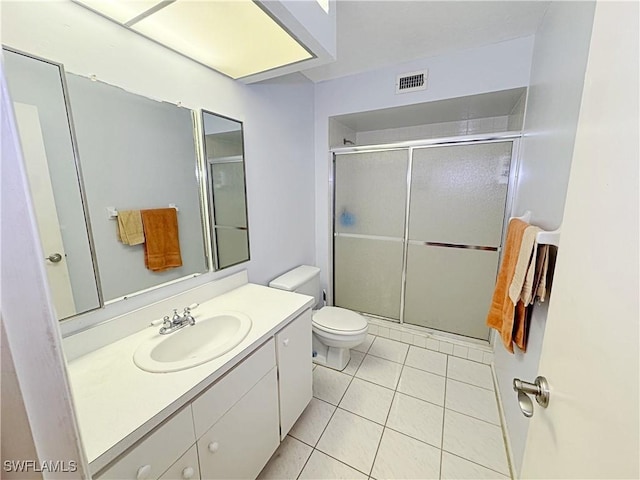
[
  {"x": 502, "y": 310},
  {"x": 162, "y": 244}
]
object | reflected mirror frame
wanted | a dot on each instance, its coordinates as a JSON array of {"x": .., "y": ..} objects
[
  {"x": 209, "y": 194},
  {"x": 79, "y": 177}
]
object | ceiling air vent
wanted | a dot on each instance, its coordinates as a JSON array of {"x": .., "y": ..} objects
[{"x": 411, "y": 82}]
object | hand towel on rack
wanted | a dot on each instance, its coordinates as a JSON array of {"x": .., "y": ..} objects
[
  {"x": 542, "y": 266},
  {"x": 536, "y": 278},
  {"x": 502, "y": 310},
  {"x": 129, "y": 227},
  {"x": 162, "y": 245}
]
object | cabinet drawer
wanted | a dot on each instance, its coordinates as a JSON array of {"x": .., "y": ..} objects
[
  {"x": 243, "y": 440},
  {"x": 155, "y": 452},
  {"x": 293, "y": 350},
  {"x": 186, "y": 468},
  {"x": 219, "y": 398}
]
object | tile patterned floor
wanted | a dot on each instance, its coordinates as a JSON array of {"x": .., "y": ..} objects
[{"x": 398, "y": 410}]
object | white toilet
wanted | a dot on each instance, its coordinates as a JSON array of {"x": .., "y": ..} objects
[{"x": 335, "y": 330}]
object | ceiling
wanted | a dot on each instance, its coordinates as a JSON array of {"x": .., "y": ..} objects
[{"x": 375, "y": 34}]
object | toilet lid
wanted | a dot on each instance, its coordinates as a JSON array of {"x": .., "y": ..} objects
[{"x": 336, "y": 318}]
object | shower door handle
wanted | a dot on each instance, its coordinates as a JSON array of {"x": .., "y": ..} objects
[{"x": 540, "y": 389}]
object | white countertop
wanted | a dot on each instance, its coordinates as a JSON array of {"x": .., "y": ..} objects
[{"x": 117, "y": 403}]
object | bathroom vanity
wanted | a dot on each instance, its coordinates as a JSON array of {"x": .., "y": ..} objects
[{"x": 221, "y": 419}]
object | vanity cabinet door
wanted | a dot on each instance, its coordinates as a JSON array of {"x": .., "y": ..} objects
[
  {"x": 186, "y": 468},
  {"x": 293, "y": 353},
  {"x": 156, "y": 452},
  {"x": 209, "y": 407},
  {"x": 243, "y": 440}
]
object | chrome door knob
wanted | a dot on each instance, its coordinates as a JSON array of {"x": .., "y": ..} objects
[
  {"x": 54, "y": 258},
  {"x": 539, "y": 389}
]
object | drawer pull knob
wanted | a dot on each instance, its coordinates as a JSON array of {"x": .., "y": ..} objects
[
  {"x": 188, "y": 472},
  {"x": 285, "y": 342},
  {"x": 213, "y": 447},
  {"x": 143, "y": 472}
]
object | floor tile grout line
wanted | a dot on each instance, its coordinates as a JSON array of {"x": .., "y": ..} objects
[
  {"x": 338, "y": 460},
  {"x": 395, "y": 392},
  {"x": 476, "y": 463},
  {"x": 384, "y": 427},
  {"x": 471, "y": 416},
  {"x": 474, "y": 418},
  {"x": 331, "y": 418}
]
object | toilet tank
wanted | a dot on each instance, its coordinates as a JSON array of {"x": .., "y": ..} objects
[{"x": 303, "y": 279}]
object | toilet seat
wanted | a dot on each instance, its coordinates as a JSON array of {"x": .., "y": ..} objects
[{"x": 339, "y": 321}]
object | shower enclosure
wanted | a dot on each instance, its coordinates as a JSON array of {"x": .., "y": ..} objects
[{"x": 418, "y": 232}]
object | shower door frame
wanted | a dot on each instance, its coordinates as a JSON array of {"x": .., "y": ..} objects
[{"x": 514, "y": 170}]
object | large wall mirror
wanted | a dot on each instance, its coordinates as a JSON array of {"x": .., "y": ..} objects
[
  {"x": 138, "y": 156},
  {"x": 94, "y": 151},
  {"x": 104, "y": 164},
  {"x": 42, "y": 117},
  {"x": 226, "y": 189}
]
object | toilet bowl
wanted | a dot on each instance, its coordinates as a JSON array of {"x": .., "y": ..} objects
[{"x": 335, "y": 330}]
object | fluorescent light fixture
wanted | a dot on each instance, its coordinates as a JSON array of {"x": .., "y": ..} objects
[
  {"x": 119, "y": 10},
  {"x": 235, "y": 37}
]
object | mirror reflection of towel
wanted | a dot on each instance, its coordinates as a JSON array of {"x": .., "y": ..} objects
[
  {"x": 162, "y": 244},
  {"x": 129, "y": 227}
]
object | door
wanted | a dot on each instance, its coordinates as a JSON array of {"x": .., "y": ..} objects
[
  {"x": 456, "y": 215},
  {"x": 295, "y": 378},
  {"x": 369, "y": 226},
  {"x": 37, "y": 167},
  {"x": 242, "y": 441},
  {"x": 590, "y": 352}
]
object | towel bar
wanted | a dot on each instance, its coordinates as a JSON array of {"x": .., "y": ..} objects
[
  {"x": 550, "y": 237},
  {"x": 112, "y": 212}
]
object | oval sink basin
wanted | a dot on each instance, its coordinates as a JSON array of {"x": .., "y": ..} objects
[{"x": 210, "y": 337}]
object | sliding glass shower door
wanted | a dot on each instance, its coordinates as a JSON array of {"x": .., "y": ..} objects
[
  {"x": 418, "y": 231},
  {"x": 369, "y": 230},
  {"x": 457, "y": 206}
]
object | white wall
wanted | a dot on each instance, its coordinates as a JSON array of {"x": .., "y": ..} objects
[
  {"x": 557, "y": 77},
  {"x": 277, "y": 118},
  {"x": 29, "y": 323},
  {"x": 495, "y": 67}
]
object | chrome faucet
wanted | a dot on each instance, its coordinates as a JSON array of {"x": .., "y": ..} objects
[{"x": 170, "y": 325}]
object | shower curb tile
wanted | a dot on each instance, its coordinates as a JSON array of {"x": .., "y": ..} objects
[
  {"x": 395, "y": 334},
  {"x": 433, "y": 344},
  {"x": 460, "y": 351},
  {"x": 446, "y": 347},
  {"x": 373, "y": 329},
  {"x": 384, "y": 332},
  {"x": 407, "y": 337},
  {"x": 419, "y": 341},
  {"x": 475, "y": 355}
]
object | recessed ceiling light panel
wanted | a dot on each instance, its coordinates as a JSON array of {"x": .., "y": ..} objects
[
  {"x": 236, "y": 38},
  {"x": 119, "y": 10}
]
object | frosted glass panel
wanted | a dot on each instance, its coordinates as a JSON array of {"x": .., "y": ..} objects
[
  {"x": 368, "y": 275},
  {"x": 458, "y": 193},
  {"x": 232, "y": 246},
  {"x": 371, "y": 191},
  {"x": 229, "y": 197},
  {"x": 450, "y": 289}
]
